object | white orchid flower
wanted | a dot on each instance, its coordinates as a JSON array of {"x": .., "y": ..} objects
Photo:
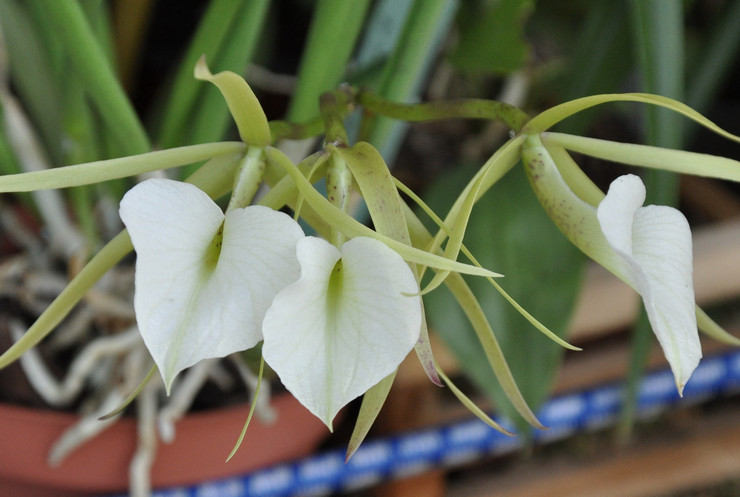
[
  {"x": 334, "y": 321},
  {"x": 204, "y": 280},
  {"x": 647, "y": 247},
  {"x": 346, "y": 324}
]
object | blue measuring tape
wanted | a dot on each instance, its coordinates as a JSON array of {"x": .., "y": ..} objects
[{"x": 416, "y": 452}]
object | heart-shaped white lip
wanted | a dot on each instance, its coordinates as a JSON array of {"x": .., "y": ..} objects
[
  {"x": 346, "y": 324},
  {"x": 204, "y": 280},
  {"x": 655, "y": 244}
]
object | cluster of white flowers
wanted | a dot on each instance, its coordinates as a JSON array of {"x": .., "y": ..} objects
[{"x": 335, "y": 321}]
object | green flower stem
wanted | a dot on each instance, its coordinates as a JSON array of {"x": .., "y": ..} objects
[
  {"x": 284, "y": 130},
  {"x": 342, "y": 101},
  {"x": 334, "y": 108},
  {"x": 95, "y": 172},
  {"x": 512, "y": 117}
]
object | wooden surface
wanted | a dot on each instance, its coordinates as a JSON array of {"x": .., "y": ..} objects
[{"x": 704, "y": 451}]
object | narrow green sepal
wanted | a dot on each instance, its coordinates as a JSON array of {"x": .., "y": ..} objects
[
  {"x": 710, "y": 328},
  {"x": 633, "y": 154},
  {"x": 243, "y": 104},
  {"x": 252, "y": 407},
  {"x": 372, "y": 402},
  {"x": 104, "y": 170},
  {"x": 547, "y": 119},
  {"x": 130, "y": 398},
  {"x": 351, "y": 227}
]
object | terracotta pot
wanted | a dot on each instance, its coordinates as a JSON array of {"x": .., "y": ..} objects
[{"x": 198, "y": 453}]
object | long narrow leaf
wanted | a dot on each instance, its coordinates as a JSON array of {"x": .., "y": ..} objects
[
  {"x": 334, "y": 30},
  {"x": 208, "y": 39},
  {"x": 99, "y": 79},
  {"x": 426, "y": 25}
]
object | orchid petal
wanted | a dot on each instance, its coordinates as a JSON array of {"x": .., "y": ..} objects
[
  {"x": 203, "y": 280},
  {"x": 647, "y": 247},
  {"x": 655, "y": 242},
  {"x": 243, "y": 104},
  {"x": 346, "y": 324}
]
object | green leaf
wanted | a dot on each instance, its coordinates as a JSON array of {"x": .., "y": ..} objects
[
  {"x": 716, "y": 57},
  {"x": 491, "y": 37},
  {"x": 32, "y": 73},
  {"x": 334, "y": 29},
  {"x": 183, "y": 95},
  {"x": 509, "y": 230},
  {"x": 426, "y": 26},
  {"x": 599, "y": 59},
  {"x": 92, "y": 66}
]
